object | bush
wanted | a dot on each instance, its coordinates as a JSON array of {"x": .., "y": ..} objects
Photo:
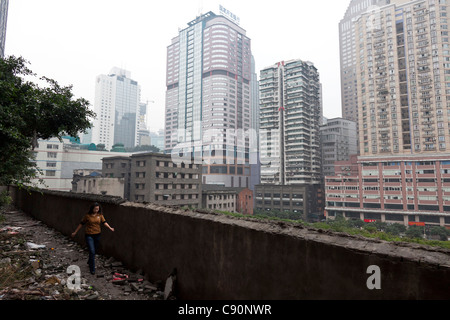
[
  {"x": 442, "y": 232},
  {"x": 5, "y": 199},
  {"x": 414, "y": 232},
  {"x": 395, "y": 229},
  {"x": 370, "y": 228},
  {"x": 356, "y": 223}
]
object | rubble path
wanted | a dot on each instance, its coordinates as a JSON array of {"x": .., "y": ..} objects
[{"x": 34, "y": 262}]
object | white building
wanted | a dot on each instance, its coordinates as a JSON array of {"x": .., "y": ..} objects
[
  {"x": 57, "y": 162},
  {"x": 116, "y": 104}
]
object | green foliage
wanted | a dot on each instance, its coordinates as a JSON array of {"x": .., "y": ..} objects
[
  {"x": 5, "y": 199},
  {"x": 29, "y": 112},
  {"x": 395, "y": 229},
  {"x": 287, "y": 215},
  {"x": 441, "y": 232},
  {"x": 415, "y": 232}
]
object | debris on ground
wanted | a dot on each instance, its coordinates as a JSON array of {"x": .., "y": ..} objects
[{"x": 35, "y": 261}]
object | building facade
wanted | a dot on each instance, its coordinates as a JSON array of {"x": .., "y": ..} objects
[
  {"x": 403, "y": 76},
  {"x": 153, "y": 177},
  {"x": 4, "y": 4},
  {"x": 118, "y": 167},
  {"x": 338, "y": 140},
  {"x": 239, "y": 200},
  {"x": 117, "y": 105},
  {"x": 157, "y": 139},
  {"x": 94, "y": 183},
  {"x": 219, "y": 198},
  {"x": 290, "y": 119},
  {"x": 143, "y": 134},
  {"x": 406, "y": 189},
  {"x": 209, "y": 98},
  {"x": 404, "y": 115},
  {"x": 57, "y": 161},
  {"x": 348, "y": 48},
  {"x": 306, "y": 201}
]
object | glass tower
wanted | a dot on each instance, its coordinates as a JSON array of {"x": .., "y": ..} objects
[{"x": 209, "y": 99}]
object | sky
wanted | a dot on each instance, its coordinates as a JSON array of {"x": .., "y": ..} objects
[{"x": 74, "y": 41}]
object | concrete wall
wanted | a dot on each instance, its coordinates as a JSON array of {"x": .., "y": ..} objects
[{"x": 219, "y": 257}]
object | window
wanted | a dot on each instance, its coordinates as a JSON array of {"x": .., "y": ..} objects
[
  {"x": 140, "y": 186},
  {"x": 50, "y": 173},
  {"x": 140, "y": 163}
]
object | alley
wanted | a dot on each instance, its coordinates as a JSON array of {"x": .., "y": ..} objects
[{"x": 37, "y": 262}]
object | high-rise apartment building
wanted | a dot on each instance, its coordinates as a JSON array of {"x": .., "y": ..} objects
[
  {"x": 290, "y": 119},
  {"x": 117, "y": 99},
  {"x": 4, "y": 4},
  {"x": 403, "y": 76},
  {"x": 209, "y": 98},
  {"x": 348, "y": 51}
]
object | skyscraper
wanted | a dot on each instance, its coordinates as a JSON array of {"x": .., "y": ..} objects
[
  {"x": 4, "y": 4},
  {"x": 209, "y": 98},
  {"x": 403, "y": 76},
  {"x": 348, "y": 51},
  {"x": 117, "y": 99},
  {"x": 403, "y": 79},
  {"x": 143, "y": 134},
  {"x": 290, "y": 119}
]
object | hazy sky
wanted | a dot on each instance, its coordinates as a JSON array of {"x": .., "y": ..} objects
[{"x": 74, "y": 41}]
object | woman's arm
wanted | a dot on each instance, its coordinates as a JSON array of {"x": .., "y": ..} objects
[
  {"x": 107, "y": 225},
  {"x": 78, "y": 229}
]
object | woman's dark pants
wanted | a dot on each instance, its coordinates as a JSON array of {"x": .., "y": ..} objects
[{"x": 92, "y": 241}]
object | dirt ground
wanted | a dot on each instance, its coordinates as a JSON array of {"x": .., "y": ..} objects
[{"x": 39, "y": 263}]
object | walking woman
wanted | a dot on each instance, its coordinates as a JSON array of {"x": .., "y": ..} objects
[{"x": 93, "y": 221}]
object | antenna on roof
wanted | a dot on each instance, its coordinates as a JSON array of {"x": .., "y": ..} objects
[{"x": 200, "y": 7}]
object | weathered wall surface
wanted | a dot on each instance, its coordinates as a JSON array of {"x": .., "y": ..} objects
[{"x": 219, "y": 257}]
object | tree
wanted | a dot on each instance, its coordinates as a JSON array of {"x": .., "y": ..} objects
[
  {"x": 442, "y": 232},
  {"x": 414, "y": 232},
  {"x": 29, "y": 112},
  {"x": 395, "y": 229}
]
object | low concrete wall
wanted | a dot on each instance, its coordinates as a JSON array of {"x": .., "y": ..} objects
[{"x": 218, "y": 257}]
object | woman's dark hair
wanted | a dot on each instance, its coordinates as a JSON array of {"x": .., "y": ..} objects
[{"x": 91, "y": 209}]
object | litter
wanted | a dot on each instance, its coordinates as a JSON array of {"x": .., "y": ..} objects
[
  {"x": 119, "y": 276},
  {"x": 11, "y": 230},
  {"x": 33, "y": 246}
]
